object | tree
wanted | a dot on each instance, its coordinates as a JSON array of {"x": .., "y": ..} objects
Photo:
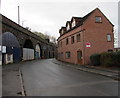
[
  {"x": 46, "y": 36},
  {"x": 53, "y": 39}
]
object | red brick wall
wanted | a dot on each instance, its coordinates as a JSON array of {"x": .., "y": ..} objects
[
  {"x": 95, "y": 33},
  {"x": 73, "y": 48}
]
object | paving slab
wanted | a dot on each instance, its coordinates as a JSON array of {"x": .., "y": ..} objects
[{"x": 11, "y": 85}]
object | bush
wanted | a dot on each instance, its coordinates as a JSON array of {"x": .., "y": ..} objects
[
  {"x": 95, "y": 59},
  {"x": 108, "y": 59},
  {"x": 117, "y": 58}
]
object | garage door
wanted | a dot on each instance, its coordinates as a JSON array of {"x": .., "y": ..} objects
[{"x": 28, "y": 54}]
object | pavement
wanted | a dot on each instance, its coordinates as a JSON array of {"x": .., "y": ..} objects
[
  {"x": 111, "y": 73},
  {"x": 11, "y": 82}
]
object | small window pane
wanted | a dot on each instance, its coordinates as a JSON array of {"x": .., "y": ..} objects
[
  {"x": 98, "y": 19},
  {"x": 67, "y": 41},
  {"x": 108, "y": 37},
  {"x": 72, "y": 39},
  {"x": 78, "y": 38},
  {"x": 68, "y": 55},
  {"x": 68, "y": 27},
  {"x": 73, "y": 23},
  {"x": 62, "y": 31}
]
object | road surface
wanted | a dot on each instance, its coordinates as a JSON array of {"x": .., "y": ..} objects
[{"x": 44, "y": 78}]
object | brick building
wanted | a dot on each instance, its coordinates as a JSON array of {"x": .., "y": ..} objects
[{"x": 84, "y": 36}]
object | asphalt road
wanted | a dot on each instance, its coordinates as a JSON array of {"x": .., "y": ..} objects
[
  {"x": 44, "y": 78},
  {"x": 0, "y": 81}
]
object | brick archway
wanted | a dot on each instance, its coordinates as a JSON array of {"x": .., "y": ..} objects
[{"x": 12, "y": 51}]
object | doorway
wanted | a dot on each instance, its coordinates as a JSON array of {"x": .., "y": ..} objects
[{"x": 79, "y": 57}]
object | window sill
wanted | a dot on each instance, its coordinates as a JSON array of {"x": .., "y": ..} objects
[
  {"x": 98, "y": 22},
  {"x": 67, "y": 58}
]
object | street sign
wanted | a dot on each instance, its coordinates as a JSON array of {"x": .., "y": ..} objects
[
  {"x": 3, "y": 49},
  {"x": 88, "y": 45}
]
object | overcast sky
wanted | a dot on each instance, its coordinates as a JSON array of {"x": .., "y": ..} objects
[{"x": 47, "y": 16}]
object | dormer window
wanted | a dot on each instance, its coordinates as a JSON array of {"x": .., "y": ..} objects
[
  {"x": 62, "y": 31},
  {"x": 68, "y": 26},
  {"x": 73, "y": 23}
]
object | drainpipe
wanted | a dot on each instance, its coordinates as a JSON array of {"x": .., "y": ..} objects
[{"x": 83, "y": 30}]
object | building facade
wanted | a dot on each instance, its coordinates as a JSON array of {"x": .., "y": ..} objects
[{"x": 84, "y": 36}]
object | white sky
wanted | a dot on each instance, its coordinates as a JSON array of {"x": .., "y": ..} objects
[{"x": 47, "y": 16}]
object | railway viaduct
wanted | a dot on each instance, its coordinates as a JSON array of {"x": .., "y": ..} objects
[{"x": 20, "y": 44}]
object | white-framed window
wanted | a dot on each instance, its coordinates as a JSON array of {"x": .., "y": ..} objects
[
  {"x": 98, "y": 19},
  {"x": 109, "y": 37},
  {"x": 72, "y": 39},
  {"x": 68, "y": 55},
  {"x": 73, "y": 23},
  {"x": 62, "y": 31},
  {"x": 78, "y": 38},
  {"x": 68, "y": 26},
  {"x": 67, "y": 41}
]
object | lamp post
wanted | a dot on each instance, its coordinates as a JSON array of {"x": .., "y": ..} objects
[{"x": 18, "y": 15}]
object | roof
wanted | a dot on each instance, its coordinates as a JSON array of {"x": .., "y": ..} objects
[
  {"x": 76, "y": 18},
  {"x": 63, "y": 27},
  {"x": 87, "y": 16},
  {"x": 68, "y": 22},
  {"x": 105, "y": 17},
  {"x": 83, "y": 19}
]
